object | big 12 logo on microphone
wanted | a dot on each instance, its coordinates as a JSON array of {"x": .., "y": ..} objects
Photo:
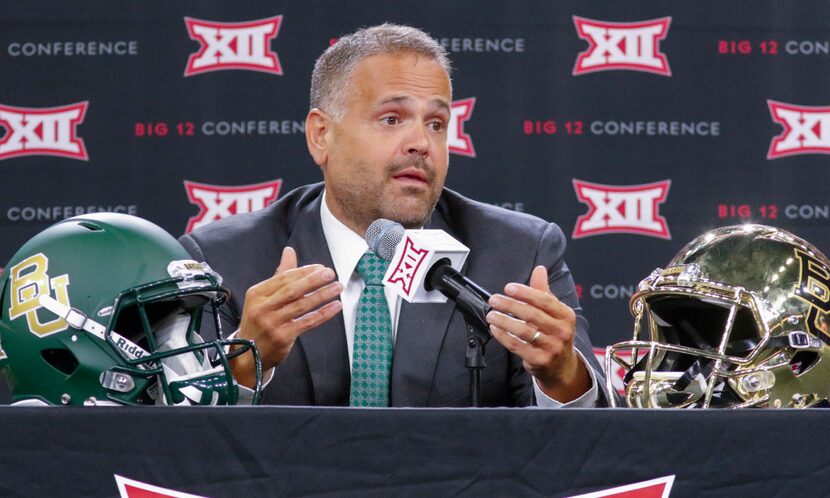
[
  {"x": 219, "y": 201},
  {"x": 44, "y": 131},
  {"x": 415, "y": 256},
  {"x": 407, "y": 265},
  {"x": 632, "y": 46},
  {"x": 233, "y": 45}
]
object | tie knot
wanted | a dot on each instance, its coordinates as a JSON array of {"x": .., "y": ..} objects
[{"x": 371, "y": 268}]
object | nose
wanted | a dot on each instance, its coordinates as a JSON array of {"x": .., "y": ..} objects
[{"x": 417, "y": 139}]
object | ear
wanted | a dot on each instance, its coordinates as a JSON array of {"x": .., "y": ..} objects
[{"x": 318, "y": 135}]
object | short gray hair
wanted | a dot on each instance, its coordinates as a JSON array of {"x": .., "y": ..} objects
[{"x": 333, "y": 69}]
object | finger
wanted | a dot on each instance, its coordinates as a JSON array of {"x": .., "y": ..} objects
[
  {"x": 520, "y": 329},
  {"x": 542, "y": 362},
  {"x": 284, "y": 278},
  {"x": 513, "y": 344},
  {"x": 293, "y": 308},
  {"x": 284, "y": 331},
  {"x": 523, "y": 312},
  {"x": 288, "y": 260},
  {"x": 298, "y": 288},
  {"x": 539, "y": 279},
  {"x": 538, "y": 298},
  {"x": 314, "y": 318},
  {"x": 276, "y": 330}
]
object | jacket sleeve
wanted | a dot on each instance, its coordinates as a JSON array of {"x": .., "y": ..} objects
[{"x": 550, "y": 253}]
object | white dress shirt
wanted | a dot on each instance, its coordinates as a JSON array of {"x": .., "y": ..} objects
[{"x": 346, "y": 247}]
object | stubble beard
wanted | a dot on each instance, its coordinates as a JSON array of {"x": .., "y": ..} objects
[{"x": 363, "y": 202}]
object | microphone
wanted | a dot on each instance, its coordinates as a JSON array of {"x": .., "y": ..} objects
[{"x": 424, "y": 268}]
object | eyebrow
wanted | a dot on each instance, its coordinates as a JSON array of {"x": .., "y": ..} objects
[{"x": 442, "y": 104}]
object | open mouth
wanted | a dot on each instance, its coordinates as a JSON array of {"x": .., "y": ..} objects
[{"x": 412, "y": 175}]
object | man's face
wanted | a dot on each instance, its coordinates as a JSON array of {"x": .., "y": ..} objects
[{"x": 388, "y": 155}]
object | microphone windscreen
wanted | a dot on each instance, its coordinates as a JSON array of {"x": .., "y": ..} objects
[{"x": 383, "y": 236}]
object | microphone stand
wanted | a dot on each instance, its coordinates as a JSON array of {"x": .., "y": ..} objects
[
  {"x": 474, "y": 359},
  {"x": 471, "y": 301}
]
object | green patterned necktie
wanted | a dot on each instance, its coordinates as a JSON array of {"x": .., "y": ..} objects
[{"x": 372, "y": 356}]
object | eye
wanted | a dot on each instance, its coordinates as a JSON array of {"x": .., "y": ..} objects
[
  {"x": 390, "y": 120},
  {"x": 437, "y": 126}
]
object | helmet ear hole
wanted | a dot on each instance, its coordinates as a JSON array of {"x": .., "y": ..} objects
[
  {"x": 61, "y": 360},
  {"x": 803, "y": 361}
]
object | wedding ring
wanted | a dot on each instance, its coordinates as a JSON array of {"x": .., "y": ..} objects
[{"x": 535, "y": 336}]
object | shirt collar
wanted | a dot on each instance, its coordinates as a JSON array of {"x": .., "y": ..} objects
[{"x": 345, "y": 246}]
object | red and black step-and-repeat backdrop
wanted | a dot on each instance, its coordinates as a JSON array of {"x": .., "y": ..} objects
[{"x": 633, "y": 125}]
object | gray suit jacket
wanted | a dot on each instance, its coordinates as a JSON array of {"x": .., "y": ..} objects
[{"x": 428, "y": 367}]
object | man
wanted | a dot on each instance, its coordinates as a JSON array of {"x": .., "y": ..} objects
[{"x": 380, "y": 107}]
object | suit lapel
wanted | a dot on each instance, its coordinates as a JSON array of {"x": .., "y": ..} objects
[
  {"x": 421, "y": 331},
  {"x": 420, "y": 334},
  {"x": 324, "y": 346}
]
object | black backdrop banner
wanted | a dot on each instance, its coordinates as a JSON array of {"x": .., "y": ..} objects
[{"x": 635, "y": 126}]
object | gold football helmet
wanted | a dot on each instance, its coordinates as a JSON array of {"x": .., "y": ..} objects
[{"x": 737, "y": 319}]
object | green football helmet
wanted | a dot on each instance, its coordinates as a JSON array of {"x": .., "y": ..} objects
[
  {"x": 737, "y": 319},
  {"x": 105, "y": 309}
]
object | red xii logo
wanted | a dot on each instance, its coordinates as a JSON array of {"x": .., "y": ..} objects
[
  {"x": 217, "y": 201},
  {"x": 408, "y": 265},
  {"x": 233, "y": 45},
  {"x": 622, "y": 209},
  {"x": 633, "y": 46},
  {"x": 458, "y": 141},
  {"x": 806, "y": 130},
  {"x": 47, "y": 131}
]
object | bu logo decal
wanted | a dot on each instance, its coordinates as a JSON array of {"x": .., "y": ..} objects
[
  {"x": 29, "y": 280},
  {"x": 814, "y": 289}
]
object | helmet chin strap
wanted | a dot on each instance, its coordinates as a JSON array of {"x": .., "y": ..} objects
[
  {"x": 692, "y": 384},
  {"x": 80, "y": 321},
  {"x": 184, "y": 369},
  {"x": 670, "y": 389}
]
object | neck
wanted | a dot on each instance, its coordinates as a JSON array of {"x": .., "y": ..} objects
[{"x": 337, "y": 212}]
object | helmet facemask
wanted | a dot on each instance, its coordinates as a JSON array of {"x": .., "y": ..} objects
[
  {"x": 154, "y": 328},
  {"x": 693, "y": 351},
  {"x": 701, "y": 341},
  {"x": 106, "y": 309}
]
